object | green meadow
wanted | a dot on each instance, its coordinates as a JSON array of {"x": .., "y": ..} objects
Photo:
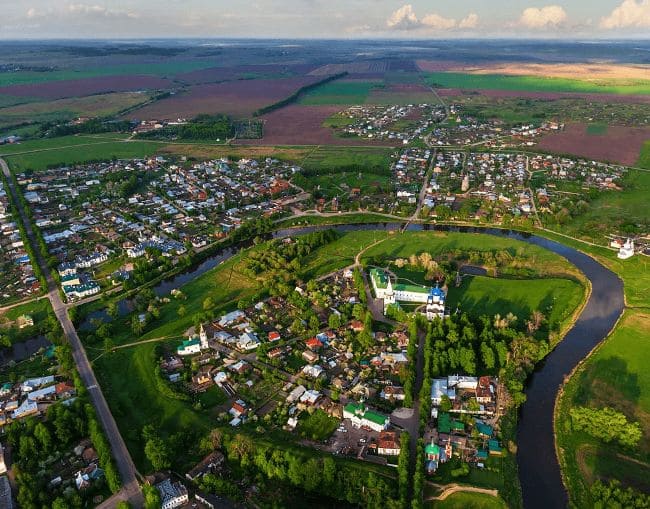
[
  {"x": 535, "y": 83},
  {"x": 71, "y": 150},
  {"x": 555, "y": 298},
  {"x": 615, "y": 376},
  {"x": 340, "y": 92}
]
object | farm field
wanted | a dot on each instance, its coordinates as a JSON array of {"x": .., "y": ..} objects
[
  {"x": 614, "y": 376},
  {"x": 67, "y": 109},
  {"x": 591, "y": 72},
  {"x": 617, "y": 144},
  {"x": 297, "y": 124},
  {"x": 467, "y": 501},
  {"x": 160, "y": 69},
  {"x": 69, "y": 153},
  {"x": 204, "y": 151},
  {"x": 334, "y": 159},
  {"x": 402, "y": 93},
  {"x": 89, "y": 86},
  {"x": 237, "y": 98},
  {"x": 644, "y": 156},
  {"x": 340, "y": 92},
  {"x": 536, "y": 84}
]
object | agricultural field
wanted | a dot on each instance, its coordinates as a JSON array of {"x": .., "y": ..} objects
[
  {"x": 537, "y": 84},
  {"x": 68, "y": 109},
  {"x": 616, "y": 377},
  {"x": 106, "y": 72},
  {"x": 340, "y": 92},
  {"x": 298, "y": 124},
  {"x": 64, "y": 151},
  {"x": 402, "y": 93},
  {"x": 236, "y": 98},
  {"x": 333, "y": 159},
  {"x": 487, "y": 106},
  {"x": 243, "y": 72},
  {"x": 617, "y": 144},
  {"x": 644, "y": 156},
  {"x": 61, "y": 89}
]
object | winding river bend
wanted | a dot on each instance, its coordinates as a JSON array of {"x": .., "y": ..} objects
[{"x": 539, "y": 470}]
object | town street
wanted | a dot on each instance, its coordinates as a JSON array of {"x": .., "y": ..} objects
[{"x": 130, "y": 489}]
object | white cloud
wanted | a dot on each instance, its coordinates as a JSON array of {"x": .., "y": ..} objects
[
  {"x": 438, "y": 22},
  {"x": 403, "y": 18},
  {"x": 551, "y": 16},
  {"x": 631, "y": 13},
  {"x": 97, "y": 10},
  {"x": 469, "y": 21},
  {"x": 31, "y": 13}
]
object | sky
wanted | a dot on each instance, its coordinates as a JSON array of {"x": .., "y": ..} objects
[{"x": 410, "y": 19}]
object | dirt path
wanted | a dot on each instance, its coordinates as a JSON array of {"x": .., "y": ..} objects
[{"x": 450, "y": 489}]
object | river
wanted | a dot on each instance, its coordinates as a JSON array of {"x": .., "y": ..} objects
[{"x": 539, "y": 470}]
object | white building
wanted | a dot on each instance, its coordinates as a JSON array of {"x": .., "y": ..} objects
[
  {"x": 627, "y": 250},
  {"x": 434, "y": 298},
  {"x": 189, "y": 347},
  {"x": 361, "y": 417},
  {"x": 172, "y": 494}
]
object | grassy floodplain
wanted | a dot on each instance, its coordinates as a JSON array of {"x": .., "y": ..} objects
[{"x": 616, "y": 376}]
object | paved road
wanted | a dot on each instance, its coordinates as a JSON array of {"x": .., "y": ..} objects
[{"x": 131, "y": 488}]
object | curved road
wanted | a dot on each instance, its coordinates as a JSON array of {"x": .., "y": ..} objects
[{"x": 130, "y": 487}]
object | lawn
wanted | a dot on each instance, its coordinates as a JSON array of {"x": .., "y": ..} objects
[
  {"x": 555, "y": 298},
  {"x": 536, "y": 84},
  {"x": 468, "y": 501},
  {"x": 340, "y": 92},
  {"x": 615, "y": 375},
  {"x": 38, "y": 309}
]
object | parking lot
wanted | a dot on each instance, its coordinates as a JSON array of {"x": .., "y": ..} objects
[{"x": 350, "y": 441}]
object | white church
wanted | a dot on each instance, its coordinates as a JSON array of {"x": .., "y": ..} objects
[
  {"x": 626, "y": 250},
  {"x": 434, "y": 298}
]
